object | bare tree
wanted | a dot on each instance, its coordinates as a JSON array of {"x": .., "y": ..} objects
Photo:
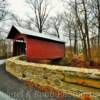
[
  {"x": 40, "y": 11},
  {"x": 79, "y": 10},
  {"x": 95, "y": 9},
  {"x": 3, "y": 11},
  {"x": 56, "y": 23},
  {"x": 81, "y": 28},
  {"x": 82, "y": 23},
  {"x": 68, "y": 23},
  {"x": 71, "y": 29},
  {"x": 86, "y": 27},
  {"x": 98, "y": 18},
  {"x": 75, "y": 40}
]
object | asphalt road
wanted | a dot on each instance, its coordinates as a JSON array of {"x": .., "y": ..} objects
[
  {"x": 16, "y": 89},
  {"x": 4, "y": 96}
]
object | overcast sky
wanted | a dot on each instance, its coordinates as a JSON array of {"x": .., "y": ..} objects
[{"x": 19, "y": 7}]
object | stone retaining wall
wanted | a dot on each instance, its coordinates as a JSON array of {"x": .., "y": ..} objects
[{"x": 59, "y": 77}]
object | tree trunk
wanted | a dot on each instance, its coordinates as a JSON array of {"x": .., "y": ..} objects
[
  {"x": 86, "y": 31},
  {"x": 75, "y": 43},
  {"x": 40, "y": 29},
  {"x": 98, "y": 43},
  {"x": 70, "y": 39},
  {"x": 85, "y": 49}
]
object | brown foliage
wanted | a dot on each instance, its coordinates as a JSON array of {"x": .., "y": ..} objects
[
  {"x": 46, "y": 89},
  {"x": 78, "y": 61},
  {"x": 85, "y": 97}
]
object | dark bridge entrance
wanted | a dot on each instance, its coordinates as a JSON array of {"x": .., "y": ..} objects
[{"x": 19, "y": 47}]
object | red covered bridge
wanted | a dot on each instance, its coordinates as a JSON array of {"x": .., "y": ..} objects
[{"x": 35, "y": 45}]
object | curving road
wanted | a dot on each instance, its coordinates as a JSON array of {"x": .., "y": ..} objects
[{"x": 19, "y": 91}]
